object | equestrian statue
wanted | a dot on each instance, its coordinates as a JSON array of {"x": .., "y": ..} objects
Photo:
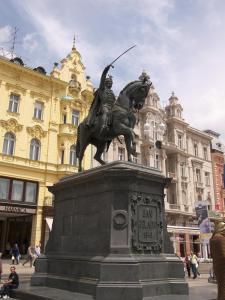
[{"x": 108, "y": 117}]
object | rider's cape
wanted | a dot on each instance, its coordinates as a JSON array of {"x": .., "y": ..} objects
[{"x": 94, "y": 109}]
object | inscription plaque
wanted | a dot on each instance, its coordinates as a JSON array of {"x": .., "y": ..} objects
[{"x": 146, "y": 223}]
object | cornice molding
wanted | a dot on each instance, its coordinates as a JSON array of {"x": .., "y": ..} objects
[
  {"x": 11, "y": 86},
  {"x": 40, "y": 96}
]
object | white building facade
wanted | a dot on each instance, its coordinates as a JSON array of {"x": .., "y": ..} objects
[{"x": 165, "y": 141}]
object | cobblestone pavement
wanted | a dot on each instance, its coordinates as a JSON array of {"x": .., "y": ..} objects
[{"x": 199, "y": 288}]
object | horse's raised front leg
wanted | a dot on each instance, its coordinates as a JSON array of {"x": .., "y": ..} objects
[{"x": 98, "y": 154}]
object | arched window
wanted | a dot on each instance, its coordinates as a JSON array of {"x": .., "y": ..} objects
[
  {"x": 73, "y": 157},
  {"x": 9, "y": 143},
  {"x": 35, "y": 148}
]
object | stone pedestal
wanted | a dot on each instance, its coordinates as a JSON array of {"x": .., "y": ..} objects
[{"x": 109, "y": 237}]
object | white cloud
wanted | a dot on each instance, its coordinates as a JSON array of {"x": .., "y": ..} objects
[
  {"x": 30, "y": 42},
  {"x": 180, "y": 43},
  {"x": 5, "y": 34}
]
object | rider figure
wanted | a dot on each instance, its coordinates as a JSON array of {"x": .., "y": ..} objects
[
  {"x": 103, "y": 101},
  {"x": 107, "y": 97}
]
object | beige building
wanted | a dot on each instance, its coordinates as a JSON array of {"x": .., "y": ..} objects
[
  {"x": 38, "y": 126},
  {"x": 182, "y": 153}
]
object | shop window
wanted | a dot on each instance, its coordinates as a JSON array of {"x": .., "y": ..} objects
[
  {"x": 4, "y": 188},
  {"x": 17, "y": 190},
  {"x": 75, "y": 117},
  {"x": 38, "y": 110},
  {"x": 35, "y": 148},
  {"x": 73, "y": 157},
  {"x": 14, "y": 103},
  {"x": 31, "y": 192},
  {"x": 9, "y": 144}
]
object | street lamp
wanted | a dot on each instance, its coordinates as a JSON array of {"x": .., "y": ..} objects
[{"x": 154, "y": 129}]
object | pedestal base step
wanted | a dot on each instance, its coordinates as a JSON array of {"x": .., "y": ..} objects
[{"x": 47, "y": 293}]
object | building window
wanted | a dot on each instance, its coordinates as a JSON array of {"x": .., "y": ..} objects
[
  {"x": 38, "y": 110},
  {"x": 135, "y": 159},
  {"x": 198, "y": 175},
  {"x": 64, "y": 118},
  {"x": 156, "y": 162},
  {"x": 14, "y": 103},
  {"x": 62, "y": 157},
  {"x": 9, "y": 144},
  {"x": 207, "y": 179},
  {"x": 105, "y": 156},
  {"x": 31, "y": 192},
  {"x": 205, "y": 153},
  {"x": 35, "y": 148},
  {"x": 180, "y": 141},
  {"x": 4, "y": 188},
  {"x": 195, "y": 149},
  {"x": 18, "y": 190},
  {"x": 121, "y": 154},
  {"x": 183, "y": 170},
  {"x": 75, "y": 117},
  {"x": 155, "y": 133},
  {"x": 73, "y": 157}
]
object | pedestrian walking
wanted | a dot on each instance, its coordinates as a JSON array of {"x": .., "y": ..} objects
[
  {"x": 11, "y": 283},
  {"x": 188, "y": 265},
  {"x": 194, "y": 264},
  {"x": 30, "y": 256},
  {"x": 198, "y": 264},
  {"x": 37, "y": 252},
  {"x": 15, "y": 254}
]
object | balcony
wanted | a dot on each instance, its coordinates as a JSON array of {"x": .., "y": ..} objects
[
  {"x": 199, "y": 185},
  {"x": 172, "y": 148},
  {"x": 174, "y": 206},
  {"x": 67, "y": 129},
  {"x": 172, "y": 175}
]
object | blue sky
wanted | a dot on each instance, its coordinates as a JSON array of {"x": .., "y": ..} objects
[{"x": 180, "y": 43}]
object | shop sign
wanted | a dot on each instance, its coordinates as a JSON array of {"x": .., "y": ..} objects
[
  {"x": 202, "y": 217},
  {"x": 17, "y": 209}
]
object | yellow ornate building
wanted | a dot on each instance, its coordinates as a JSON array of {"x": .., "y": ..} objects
[{"x": 38, "y": 125}]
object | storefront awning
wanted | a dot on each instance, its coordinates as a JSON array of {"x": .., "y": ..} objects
[{"x": 49, "y": 221}]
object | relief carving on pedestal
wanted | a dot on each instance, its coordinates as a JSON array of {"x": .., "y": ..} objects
[{"x": 146, "y": 223}]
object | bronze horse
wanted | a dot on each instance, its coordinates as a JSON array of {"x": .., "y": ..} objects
[{"x": 131, "y": 98}]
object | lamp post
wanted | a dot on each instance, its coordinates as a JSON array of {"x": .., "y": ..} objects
[{"x": 154, "y": 130}]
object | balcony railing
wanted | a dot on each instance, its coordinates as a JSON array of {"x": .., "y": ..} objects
[
  {"x": 174, "y": 206},
  {"x": 199, "y": 184},
  {"x": 172, "y": 175}
]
